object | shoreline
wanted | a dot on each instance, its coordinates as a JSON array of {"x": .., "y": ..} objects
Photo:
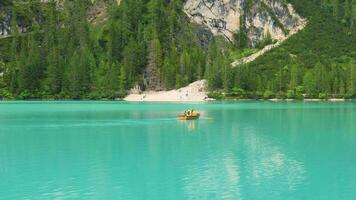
[
  {"x": 290, "y": 100},
  {"x": 191, "y": 101},
  {"x": 194, "y": 92}
]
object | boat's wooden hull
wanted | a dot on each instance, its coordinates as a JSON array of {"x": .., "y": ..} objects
[{"x": 192, "y": 117}]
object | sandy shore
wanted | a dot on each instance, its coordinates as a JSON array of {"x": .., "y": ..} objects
[{"x": 195, "y": 92}]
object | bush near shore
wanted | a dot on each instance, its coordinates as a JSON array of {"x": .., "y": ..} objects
[{"x": 238, "y": 93}]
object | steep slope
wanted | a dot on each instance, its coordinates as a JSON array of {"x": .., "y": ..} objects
[
  {"x": 28, "y": 14},
  {"x": 4, "y": 24},
  {"x": 318, "y": 62},
  {"x": 267, "y": 48},
  {"x": 5, "y": 20},
  {"x": 99, "y": 49},
  {"x": 256, "y": 18}
]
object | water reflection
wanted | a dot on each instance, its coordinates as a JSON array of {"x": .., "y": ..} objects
[
  {"x": 268, "y": 164},
  {"x": 190, "y": 124},
  {"x": 246, "y": 160}
]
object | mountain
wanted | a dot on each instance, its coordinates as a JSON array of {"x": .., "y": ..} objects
[
  {"x": 102, "y": 48},
  {"x": 256, "y": 19},
  {"x": 318, "y": 62}
]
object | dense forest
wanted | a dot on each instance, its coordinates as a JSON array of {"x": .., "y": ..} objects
[
  {"x": 319, "y": 62},
  {"x": 63, "y": 55}
]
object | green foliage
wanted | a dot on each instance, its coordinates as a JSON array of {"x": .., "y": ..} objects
[
  {"x": 64, "y": 56},
  {"x": 237, "y": 93},
  {"x": 323, "y": 96},
  {"x": 267, "y": 40},
  {"x": 240, "y": 37},
  {"x": 236, "y": 53},
  {"x": 216, "y": 95},
  {"x": 268, "y": 94},
  {"x": 123, "y": 81},
  {"x": 218, "y": 70},
  {"x": 318, "y": 60},
  {"x": 5, "y": 94},
  {"x": 299, "y": 90}
]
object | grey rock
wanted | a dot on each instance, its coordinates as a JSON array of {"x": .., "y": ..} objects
[
  {"x": 226, "y": 17},
  {"x": 5, "y": 19}
]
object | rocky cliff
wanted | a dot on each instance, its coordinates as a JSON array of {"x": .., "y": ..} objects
[
  {"x": 257, "y": 18},
  {"x": 97, "y": 13},
  {"x": 4, "y": 23}
]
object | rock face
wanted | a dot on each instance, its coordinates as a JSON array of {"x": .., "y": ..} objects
[
  {"x": 257, "y": 17},
  {"x": 23, "y": 25},
  {"x": 97, "y": 13},
  {"x": 5, "y": 19}
]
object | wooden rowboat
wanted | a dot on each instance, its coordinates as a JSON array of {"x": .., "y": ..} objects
[{"x": 189, "y": 117}]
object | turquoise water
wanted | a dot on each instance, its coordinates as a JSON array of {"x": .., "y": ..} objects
[{"x": 113, "y": 150}]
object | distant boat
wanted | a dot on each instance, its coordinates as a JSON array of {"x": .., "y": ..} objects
[{"x": 189, "y": 115}]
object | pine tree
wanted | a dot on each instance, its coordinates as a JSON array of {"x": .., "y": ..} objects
[
  {"x": 309, "y": 83},
  {"x": 155, "y": 59},
  {"x": 81, "y": 63},
  {"x": 78, "y": 73},
  {"x": 24, "y": 77},
  {"x": 170, "y": 69},
  {"x": 101, "y": 80},
  {"x": 132, "y": 60},
  {"x": 173, "y": 19},
  {"x": 114, "y": 41},
  {"x": 352, "y": 75},
  {"x": 156, "y": 20},
  {"x": 11, "y": 78},
  {"x": 168, "y": 80},
  {"x": 54, "y": 70},
  {"x": 73, "y": 76},
  {"x": 186, "y": 68},
  {"x": 294, "y": 77},
  {"x": 241, "y": 39},
  {"x": 198, "y": 63},
  {"x": 340, "y": 10},
  {"x": 213, "y": 69},
  {"x": 336, "y": 86},
  {"x": 348, "y": 8},
  {"x": 322, "y": 78},
  {"x": 123, "y": 81},
  {"x": 33, "y": 65},
  {"x": 342, "y": 88},
  {"x": 228, "y": 77},
  {"x": 106, "y": 81}
]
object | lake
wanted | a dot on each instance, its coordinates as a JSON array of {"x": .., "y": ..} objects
[{"x": 237, "y": 150}]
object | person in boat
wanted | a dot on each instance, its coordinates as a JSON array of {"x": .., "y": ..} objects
[{"x": 188, "y": 113}]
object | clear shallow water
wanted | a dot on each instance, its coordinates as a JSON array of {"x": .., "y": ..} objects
[{"x": 113, "y": 150}]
